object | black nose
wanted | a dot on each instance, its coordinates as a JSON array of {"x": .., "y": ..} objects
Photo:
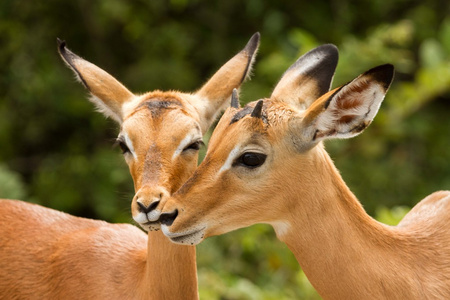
[
  {"x": 168, "y": 218},
  {"x": 147, "y": 209}
]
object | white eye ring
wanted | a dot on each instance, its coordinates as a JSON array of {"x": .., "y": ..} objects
[
  {"x": 123, "y": 146},
  {"x": 194, "y": 146},
  {"x": 126, "y": 145},
  {"x": 191, "y": 138}
]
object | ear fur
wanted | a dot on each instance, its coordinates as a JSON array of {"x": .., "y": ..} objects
[
  {"x": 215, "y": 95},
  {"x": 235, "y": 99},
  {"x": 308, "y": 78},
  {"x": 107, "y": 94},
  {"x": 346, "y": 111}
]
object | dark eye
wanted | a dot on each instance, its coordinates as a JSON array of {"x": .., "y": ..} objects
[
  {"x": 123, "y": 146},
  {"x": 251, "y": 159},
  {"x": 194, "y": 146}
]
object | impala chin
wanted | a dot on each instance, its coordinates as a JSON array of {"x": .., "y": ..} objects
[
  {"x": 151, "y": 226},
  {"x": 147, "y": 222},
  {"x": 193, "y": 236}
]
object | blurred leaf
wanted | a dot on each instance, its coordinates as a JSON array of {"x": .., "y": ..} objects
[
  {"x": 391, "y": 216},
  {"x": 431, "y": 53},
  {"x": 12, "y": 186}
]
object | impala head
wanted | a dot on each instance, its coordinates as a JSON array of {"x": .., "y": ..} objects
[
  {"x": 259, "y": 153},
  {"x": 160, "y": 132}
]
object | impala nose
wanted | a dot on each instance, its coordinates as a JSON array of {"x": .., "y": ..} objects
[
  {"x": 146, "y": 202},
  {"x": 146, "y": 209},
  {"x": 168, "y": 218}
]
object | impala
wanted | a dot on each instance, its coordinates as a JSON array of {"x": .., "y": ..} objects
[
  {"x": 46, "y": 254},
  {"x": 266, "y": 164}
]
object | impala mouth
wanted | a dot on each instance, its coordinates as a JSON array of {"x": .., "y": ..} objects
[
  {"x": 192, "y": 237},
  {"x": 150, "y": 226},
  {"x": 148, "y": 221}
]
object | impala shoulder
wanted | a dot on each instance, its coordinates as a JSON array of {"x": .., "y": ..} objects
[
  {"x": 100, "y": 237},
  {"x": 433, "y": 212}
]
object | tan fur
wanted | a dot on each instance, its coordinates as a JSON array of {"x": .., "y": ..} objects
[
  {"x": 47, "y": 254},
  {"x": 59, "y": 256},
  {"x": 343, "y": 251}
]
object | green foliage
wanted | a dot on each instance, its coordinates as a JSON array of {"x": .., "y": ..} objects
[
  {"x": 250, "y": 264},
  {"x": 391, "y": 216},
  {"x": 11, "y": 186},
  {"x": 57, "y": 152}
]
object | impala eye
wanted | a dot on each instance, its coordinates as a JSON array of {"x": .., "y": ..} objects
[
  {"x": 251, "y": 159},
  {"x": 194, "y": 146},
  {"x": 123, "y": 146}
]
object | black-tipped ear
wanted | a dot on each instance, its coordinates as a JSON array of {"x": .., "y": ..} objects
[
  {"x": 308, "y": 78},
  {"x": 250, "y": 49},
  {"x": 109, "y": 95},
  {"x": 257, "y": 111},
  {"x": 344, "y": 112},
  {"x": 235, "y": 99},
  {"x": 252, "y": 44},
  {"x": 61, "y": 44},
  {"x": 214, "y": 96},
  {"x": 69, "y": 57},
  {"x": 384, "y": 74}
]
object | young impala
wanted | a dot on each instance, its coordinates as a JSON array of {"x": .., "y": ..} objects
[
  {"x": 266, "y": 164},
  {"x": 46, "y": 254}
]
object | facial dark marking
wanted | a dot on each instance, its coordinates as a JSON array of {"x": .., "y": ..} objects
[
  {"x": 156, "y": 105},
  {"x": 242, "y": 113},
  {"x": 247, "y": 110}
]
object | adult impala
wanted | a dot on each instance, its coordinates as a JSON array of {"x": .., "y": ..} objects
[
  {"x": 46, "y": 254},
  {"x": 266, "y": 164}
]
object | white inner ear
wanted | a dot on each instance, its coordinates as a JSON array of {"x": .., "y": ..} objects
[
  {"x": 288, "y": 88},
  {"x": 209, "y": 111},
  {"x": 105, "y": 110},
  {"x": 350, "y": 110}
]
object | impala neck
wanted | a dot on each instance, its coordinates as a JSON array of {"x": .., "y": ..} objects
[
  {"x": 343, "y": 251},
  {"x": 170, "y": 269}
]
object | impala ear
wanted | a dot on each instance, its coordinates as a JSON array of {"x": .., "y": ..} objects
[
  {"x": 215, "y": 95},
  {"x": 344, "y": 112},
  {"x": 108, "y": 94},
  {"x": 235, "y": 99},
  {"x": 308, "y": 78}
]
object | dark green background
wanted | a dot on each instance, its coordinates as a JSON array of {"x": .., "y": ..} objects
[{"x": 56, "y": 151}]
